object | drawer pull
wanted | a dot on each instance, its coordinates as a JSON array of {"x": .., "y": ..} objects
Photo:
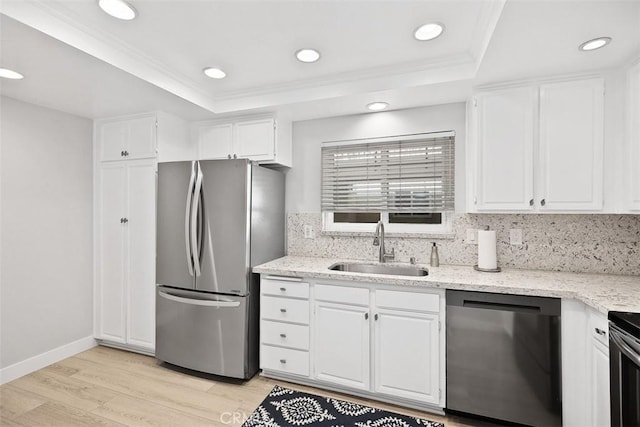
[
  {"x": 283, "y": 335},
  {"x": 601, "y": 332},
  {"x": 283, "y": 310},
  {"x": 283, "y": 289},
  {"x": 283, "y": 361}
]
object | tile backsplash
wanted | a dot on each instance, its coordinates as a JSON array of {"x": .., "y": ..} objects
[{"x": 575, "y": 243}]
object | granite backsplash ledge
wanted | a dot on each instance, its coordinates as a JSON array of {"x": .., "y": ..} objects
[{"x": 574, "y": 243}]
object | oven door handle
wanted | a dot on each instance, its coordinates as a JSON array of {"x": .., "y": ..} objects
[{"x": 618, "y": 340}]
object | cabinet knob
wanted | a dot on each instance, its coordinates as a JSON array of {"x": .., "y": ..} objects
[
  {"x": 366, "y": 316},
  {"x": 122, "y": 154},
  {"x": 235, "y": 156},
  {"x": 531, "y": 202},
  {"x": 283, "y": 289},
  {"x": 375, "y": 317},
  {"x": 283, "y": 335},
  {"x": 283, "y": 310},
  {"x": 126, "y": 220},
  {"x": 601, "y": 332},
  {"x": 543, "y": 202},
  {"x": 283, "y": 361},
  {"x": 228, "y": 156}
]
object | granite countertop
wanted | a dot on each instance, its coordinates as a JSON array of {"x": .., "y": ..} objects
[{"x": 604, "y": 292}]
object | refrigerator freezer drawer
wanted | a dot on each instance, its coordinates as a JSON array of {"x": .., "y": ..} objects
[
  {"x": 285, "y": 360},
  {"x": 203, "y": 332},
  {"x": 285, "y": 310},
  {"x": 285, "y": 334}
]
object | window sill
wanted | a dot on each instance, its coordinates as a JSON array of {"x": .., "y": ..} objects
[{"x": 424, "y": 235}]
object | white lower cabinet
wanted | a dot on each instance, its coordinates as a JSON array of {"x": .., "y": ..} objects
[
  {"x": 341, "y": 346},
  {"x": 371, "y": 340},
  {"x": 585, "y": 366},
  {"x": 407, "y": 355}
]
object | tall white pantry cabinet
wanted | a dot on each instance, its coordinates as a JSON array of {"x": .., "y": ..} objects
[{"x": 125, "y": 191}]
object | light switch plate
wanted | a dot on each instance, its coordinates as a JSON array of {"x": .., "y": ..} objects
[
  {"x": 515, "y": 236},
  {"x": 472, "y": 238},
  {"x": 308, "y": 232}
]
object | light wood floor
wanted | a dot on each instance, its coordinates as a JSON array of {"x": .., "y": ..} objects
[{"x": 109, "y": 387}]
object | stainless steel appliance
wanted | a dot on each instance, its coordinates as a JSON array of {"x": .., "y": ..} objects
[
  {"x": 503, "y": 357},
  {"x": 216, "y": 220},
  {"x": 624, "y": 357}
]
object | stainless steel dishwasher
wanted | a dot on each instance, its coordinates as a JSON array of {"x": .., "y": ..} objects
[{"x": 503, "y": 357}]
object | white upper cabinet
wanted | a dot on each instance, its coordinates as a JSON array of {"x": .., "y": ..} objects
[
  {"x": 215, "y": 142},
  {"x": 538, "y": 148},
  {"x": 264, "y": 140},
  {"x": 571, "y": 145},
  {"x": 144, "y": 136},
  {"x": 504, "y": 151},
  {"x": 633, "y": 161},
  {"x": 122, "y": 139}
]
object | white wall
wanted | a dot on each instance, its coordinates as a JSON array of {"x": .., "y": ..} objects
[
  {"x": 46, "y": 229},
  {"x": 303, "y": 180}
]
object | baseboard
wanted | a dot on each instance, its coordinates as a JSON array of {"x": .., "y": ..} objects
[{"x": 34, "y": 363}]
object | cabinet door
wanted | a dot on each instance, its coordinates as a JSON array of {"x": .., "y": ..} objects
[
  {"x": 634, "y": 138},
  {"x": 341, "y": 345},
  {"x": 255, "y": 139},
  {"x": 141, "y": 227},
  {"x": 215, "y": 142},
  {"x": 600, "y": 394},
  {"x": 406, "y": 354},
  {"x": 112, "y": 140},
  {"x": 504, "y": 150},
  {"x": 571, "y": 145},
  {"x": 141, "y": 138},
  {"x": 128, "y": 139},
  {"x": 111, "y": 297}
]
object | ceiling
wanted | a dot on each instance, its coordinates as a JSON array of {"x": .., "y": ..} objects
[{"x": 80, "y": 60}]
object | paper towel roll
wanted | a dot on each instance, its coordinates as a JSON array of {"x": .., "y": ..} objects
[{"x": 487, "y": 254}]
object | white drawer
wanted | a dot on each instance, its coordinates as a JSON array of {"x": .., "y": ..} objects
[
  {"x": 285, "y": 360},
  {"x": 284, "y": 309},
  {"x": 599, "y": 326},
  {"x": 342, "y": 294},
  {"x": 285, "y": 334},
  {"x": 283, "y": 288},
  {"x": 408, "y": 301}
]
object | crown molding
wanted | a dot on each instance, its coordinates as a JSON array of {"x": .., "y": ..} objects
[{"x": 59, "y": 22}]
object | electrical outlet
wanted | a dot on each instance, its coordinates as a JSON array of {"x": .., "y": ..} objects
[
  {"x": 308, "y": 232},
  {"x": 515, "y": 236},
  {"x": 472, "y": 234}
]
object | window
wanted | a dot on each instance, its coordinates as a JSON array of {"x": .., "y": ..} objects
[{"x": 407, "y": 182}]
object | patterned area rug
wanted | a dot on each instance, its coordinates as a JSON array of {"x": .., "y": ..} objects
[{"x": 285, "y": 408}]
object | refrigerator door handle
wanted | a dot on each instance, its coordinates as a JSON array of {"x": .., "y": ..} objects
[
  {"x": 187, "y": 218},
  {"x": 202, "y": 302},
  {"x": 195, "y": 206}
]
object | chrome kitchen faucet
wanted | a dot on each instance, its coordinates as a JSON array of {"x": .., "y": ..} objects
[{"x": 378, "y": 240}]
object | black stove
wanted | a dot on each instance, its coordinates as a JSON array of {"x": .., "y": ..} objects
[{"x": 629, "y": 322}]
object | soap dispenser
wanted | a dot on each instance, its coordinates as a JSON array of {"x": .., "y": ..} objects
[{"x": 435, "y": 260}]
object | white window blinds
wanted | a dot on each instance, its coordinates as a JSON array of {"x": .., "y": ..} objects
[{"x": 401, "y": 174}]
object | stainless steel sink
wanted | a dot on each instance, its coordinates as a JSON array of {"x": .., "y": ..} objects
[{"x": 395, "y": 270}]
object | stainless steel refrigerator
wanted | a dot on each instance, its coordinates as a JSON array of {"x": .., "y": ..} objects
[{"x": 215, "y": 220}]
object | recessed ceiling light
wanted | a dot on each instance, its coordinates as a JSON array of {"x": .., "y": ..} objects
[
  {"x": 10, "y": 74},
  {"x": 118, "y": 9},
  {"x": 214, "y": 73},
  {"x": 377, "y": 106},
  {"x": 428, "y": 31},
  {"x": 307, "y": 55},
  {"x": 595, "y": 43}
]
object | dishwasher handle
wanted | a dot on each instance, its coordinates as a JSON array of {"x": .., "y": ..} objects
[
  {"x": 489, "y": 305},
  {"x": 525, "y": 304}
]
